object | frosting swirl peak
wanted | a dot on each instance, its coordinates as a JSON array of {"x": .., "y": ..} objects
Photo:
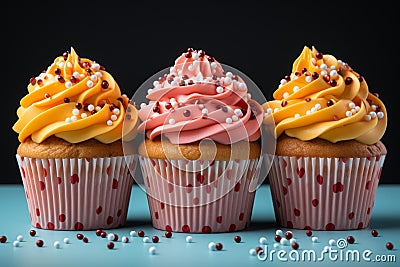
[{"x": 325, "y": 98}]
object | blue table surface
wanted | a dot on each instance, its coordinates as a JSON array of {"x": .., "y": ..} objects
[{"x": 14, "y": 221}]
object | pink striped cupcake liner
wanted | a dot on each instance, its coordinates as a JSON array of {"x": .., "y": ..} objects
[
  {"x": 200, "y": 196},
  {"x": 324, "y": 193},
  {"x": 77, "y": 193}
]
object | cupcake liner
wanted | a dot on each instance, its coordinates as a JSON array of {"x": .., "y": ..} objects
[
  {"x": 324, "y": 193},
  {"x": 77, "y": 194},
  {"x": 200, "y": 196}
]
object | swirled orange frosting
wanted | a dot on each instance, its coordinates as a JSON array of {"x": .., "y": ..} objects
[
  {"x": 75, "y": 99},
  {"x": 325, "y": 98}
]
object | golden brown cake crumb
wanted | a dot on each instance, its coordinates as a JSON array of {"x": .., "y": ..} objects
[
  {"x": 194, "y": 151},
  {"x": 290, "y": 146},
  {"x": 54, "y": 147}
]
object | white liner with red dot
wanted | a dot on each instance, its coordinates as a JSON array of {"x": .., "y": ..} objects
[
  {"x": 324, "y": 193},
  {"x": 216, "y": 198},
  {"x": 77, "y": 194}
]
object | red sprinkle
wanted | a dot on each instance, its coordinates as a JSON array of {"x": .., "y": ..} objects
[
  {"x": 309, "y": 233},
  {"x": 389, "y": 245},
  {"x": 376, "y": 94},
  {"x": 110, "y": 245},
  {"x": 330, "y": 103},
  {"x": 47, "y": 95},
  {"x": 79, "y": 236},
  {"x": 237, "y": 239},
  {"x": 374, "y": 233},
  {"x": 115, "y": 237},
  {"x": 288, "y": 235},
  {"x": 140, "y": 233},
  {"x": 218, "y": 246},
  {"x": 33, "y": 80},
  {"x": 335, "y": 118},
  {"x": 350, "y": 239},
  {"x": 39, "y": 243},
  {"x": 85, "y": 239},
  {"x": 104, "y": 84},
  {"x": 284, "y": 103},
  {"x": 98, "y": 232},
  {"x": 259, "y": 250},
  {"x": 308, "y": 99},
  {"x": 103, "y": 235},
  {"x": 277, "y": 238},
  {"x": 155, "y": 239},
  {"x": 32, "y": 232},
  {"x": 348, "y": 80},
  {"x": 3, "y": 239},
  {"x": 168, "y": 234},
  {"x": 295, "y": 245},
  {"x": 333, "y": 82},
  {"x": 319, "y": 55}
]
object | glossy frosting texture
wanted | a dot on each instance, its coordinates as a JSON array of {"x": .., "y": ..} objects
[
  {"x": 325, "y": 98},
  {"x": 75, "y": 99},
  {"x": 196, "y": 100}
]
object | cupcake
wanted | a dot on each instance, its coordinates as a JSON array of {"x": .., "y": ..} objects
[
  {"x": 200, "y": 154},
  {"x": 329, "y": 153},
  {"x": 71, "y": 155}
]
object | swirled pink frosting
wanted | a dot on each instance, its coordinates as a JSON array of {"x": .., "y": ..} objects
[{"x": 197, "y": 100}]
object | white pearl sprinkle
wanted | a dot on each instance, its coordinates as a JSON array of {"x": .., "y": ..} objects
[
  {"x": 98, "y": 108},
  {"x": 219, "y": 89},
  {"x": 296, "y": 116},
  {"x": 172, "y": 69},
  {"x": 213, "y": 65},
  {"x": 146, "y": 239},
  {"x": 242, "y": 86},
  {"x": 69, "y": 65},
  {"x": 90, "y": 107},
  {"x": 283, "y": 81},
  {"x": 279, "y": 232},
  {"x": 285, "y": 95},
  {"x": 323, "y": 66},
  {"x": 380, "y": 115},
  {"x": 93, "y": 77},
  {"x": 227, "y": 80},
  {"x": 110, "y": 237},
  {"x": 332, "y": 67},
  {"x": 66, "y": 240},
  {"x": 204, "y": 111},
  {"x": 252, "y": 252},
  {"x": 20, "y": 238},
  {"x": 276, "y": 245},
  {"x": 109, "y": 122},
  {"x": 280, "y": 86},
  {"x": 212, "y": 246},
  {"x": 142, "y": 105},
  {"x": 74, "y": 118},
  {"x": 308, "y": 79},
  {"x": 263, "y": 241},
  {"x": 174, "y": 104},
  {"x": 68, "y": 120},
  {"x": 367, "y": 117},
  {"x": 16, "y": 243},
  {"x": 68, "y": 84},
  {"x": 113, "y": 117},
  {"x": 313, "y": 110},
  {"x": 314, "y": 239},
  {"x": 238, "y": 112},
  {"x": 155, "y": 83},
  {"x": 357, "y": 108},
  {"x": 125, "y": 239},
  {"x": 308, "y": 112},
  {"x": 332, "y": 242},
  {"x": 353, "y": 110},
  {"x": 284, "y": 242},
  {"x": 75, "y": 74},
  {"x": 333, "y": 73},
  {"x": 276, "y": 110},
  {"x": 132, "y": 233},
  {"x": 228, "y": 120},
  {"x": 61, "y": 64},
  {"x": 81, "y": 75},
  {"x": 349, "y": 113},
  {"x": 57, "y": 244},
  {"x": 189, "y": 239},
  {"x": 116, "y": 111},
  {"x": 229, "y": 74},
  {"x": 98, "y": 74},
  {"x": 152, "y": 250},
  {"x": 292, "y": 240},
  {"x": 352, "y": 105},
  {"x": 296, "y": 88},
  {"x": 373, "y": 114},
  {"x": 235, "y": 118},
  {"x": 195, "y": 55},
  {"x": 313, "y": 60},
  {"x": 323, "y": 73},
  {"x": 190, "y": 68},
  {"x": 75, "y": 111},
  {"x": 83, "y": 115},
  {"x": 149, "y": 91},
  {"x": 95, "y": 66},
  {"x": 171, "y": 121},
  {"x": 373, "y": 107},
  {"x": 269, "y": 111},
  {"x": 317, "y": 106},
  {"x": 89, "y": 83},
  {"x": 248, "y": 96}
]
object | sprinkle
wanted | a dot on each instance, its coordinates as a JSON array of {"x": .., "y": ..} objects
[
  {"x": 367, "y": 117},
  {"x": 68, "y": 120},
  {"x": 248, "y": 96},
  {"x": 140, "y": 233},
  {"x": 237, "y": 239},
  {"x": 16, "y": 243},
  {"x": 352, "y": 105},
  {"x": 125, "y": 239},
  {"x": 295, "y": 245},
  {"x": 235, "y": 118},
  {"x": 32, "y": 232},
  {"x": 276, "y": 245},
  {"x": 66, "y": 240},
  {"x": 116, "y": 111},
  {"x": 285, "y": 95},
  {"x": 308, "y": 99},
  {"x": 278, "y": 238},
  {"x": 98, "y": 108},
  {"x": 74, "y": 118},
  {"x": 380, "y": 114},
  {"x": 332, "y": 242},
  {"x": 83, "y": 115},
  {"x": 211, "y": 246},
  {"x": 317, "y": 106},
  {"x": 61, "y": 64},
  {"x": 308, "y": 112},
  {"x": 227, "y": 80},
  {"x": 57, "y": 244},
  {"x": 218, "y": 246},
  {"x": 284, "y": 242},
  {"x": 308, "y": 79},
  {"x": 90, "y": 107},
  {"x": 171, "y": 121},
  {"x": 75, "y": 111},
  {"x": 110, "y": 245},
  {"x": 288, "y": 235},
  {"x": 348, "y": 80},
  {"x": 349, "y": 113},
  {"x": 20, "y": 238},
  {"x": 96, "y": 66},
  {"x": 228, "y": 120},
  {"x": 357, "y": 108},
  {"x": 146, "y": 239},
  {"x": 109, "y": 123},
  {"x": 252, "y": 252},
  {"x": 75, "y": 74},
  {"x": 389, "y": 245},
  {"x": 204, "y": 111},
  {"x": 373, "y": 114},
  {"x": 242, "y": 86},
  {"x": 315, "y": 75},
  {"x": 279, "y": 232},
  {"x": 323, "y": 73},
  {"x": 309, "y": 233},
  {"x": 39, "y": 243},
  {"x": 263, "y": 241},
  {"x": 283, "y": 81},
  {"x": 89, "y": 83},
  {"x": 46, "y": 95},
  {"x": 189, "y": 239},
  {"x": 314, "y": 239},
  {"x": 374, "y": 233},
  {"x": 168, "y": 234},
  {"x": 350, "y": 239},
  {"x": 105, "y": 84},
  {"x": 149, "y": 91},
  {"x": 152, "y": 250},
  {"x": 132, "y": 233},
  {"x": 284, "y": 103},
  {"x": 296, "y": 88},
  {"x": 68, "y": 84},
  {"x": 296, "y": 116},
  {"x": 323, "y": 66},
  {"x": 276, "y": 110},
  {"x": 93, "y": 77},
  {"x": 213, "y": 65},
  {"x": 330, "y": 102},
  {"x": 113, "y": 117},
  {"x": 219, "y": 89},
  {"x": 333, "y": 73}
]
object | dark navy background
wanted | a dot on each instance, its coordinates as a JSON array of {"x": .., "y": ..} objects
[{"x": 133, "y": 41}]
